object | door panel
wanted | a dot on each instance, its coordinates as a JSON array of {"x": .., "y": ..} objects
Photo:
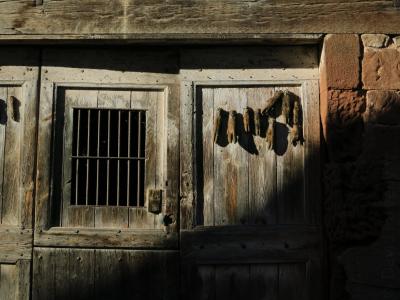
[
  {"x": 99, "y": 187},
  {"x": 253, "y": 229},
  {"x": 60, "y": 273},
  {"x": 18, "y": 107}
]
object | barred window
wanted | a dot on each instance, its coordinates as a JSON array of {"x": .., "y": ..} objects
[{"x": 108, "y": 157}]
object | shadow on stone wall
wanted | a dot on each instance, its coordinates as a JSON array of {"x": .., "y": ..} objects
[{"x": 361, "y": 179}]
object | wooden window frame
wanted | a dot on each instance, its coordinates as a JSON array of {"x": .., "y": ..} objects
[{"x": 47, "y": 233}]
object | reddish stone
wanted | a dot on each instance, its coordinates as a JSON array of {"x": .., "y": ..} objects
[
  {"x": 344, "y": 124},
  {"x": 340, "y": 61},
  {"x": 381, "y": 69},
  {"x": 383, "y": 107}
]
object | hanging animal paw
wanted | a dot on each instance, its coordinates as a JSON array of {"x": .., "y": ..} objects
[
  {"x": 257, "y": 122},
  {"x": 217, "y": 124},
  {"x": 271, "y": 133},
  {"x": 246, "y": 120},
  {"x": 231, "y": 131}
]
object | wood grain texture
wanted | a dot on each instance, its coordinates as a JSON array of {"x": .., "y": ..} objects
[
  {"x": 105, "y": 238},
  {"x": 15, "y": 244},
  {"x": 104, "y": 274},
  {"x": 12, "y": 158},
  {"x": 56, "y": 18}
]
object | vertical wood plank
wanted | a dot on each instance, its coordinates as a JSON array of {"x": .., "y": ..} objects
[
  {"x": 113, "y": 216},
  {"x": 290, "y": 172},
  {"x": 232, "y": 282},
  {"x": 3, "y": 122},
  {"x": 24, "y": 279},
  {"x": 81, "y": 273},
  {"x": 12, "y": 157},
  {"x": 43, "y": 180},
  {"x": 230, "y": 166},
  {"x": 263, "y": 282},
  {"x": 188, "y": 211},
  {"x": 8, "y": 282},
  {"x": 205, "y": 288},
  {"x": 205, "y": 112},
  {"x": 62, "y": 275},
  {"x": 262, "y": 166},
  {"x": 28, "y": 151},
  {"x": 312, "y": 159},
  {"x": 149, "y": 101},
  {"x": 74, "y": 216},
  {"x": 43, "y": 287},
  {"x": 171, "y": 156},
  {"x": 292, "y": 281}
]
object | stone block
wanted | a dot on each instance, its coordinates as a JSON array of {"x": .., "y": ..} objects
[
  {"x": 375, "y": 40},
  {"x": 381, "y": 69},
  {"x": 383, "y": 107},
  {"x": 340, "y": 61}
]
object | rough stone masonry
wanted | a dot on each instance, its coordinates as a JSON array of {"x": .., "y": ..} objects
[{"x": 360, "y": 114}]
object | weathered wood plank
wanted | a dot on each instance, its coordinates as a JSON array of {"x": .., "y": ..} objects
[
  {"x": 293, "y": 281},
  {"x": 204, "y": 283},
  {"x": 74, "y": 216},
  {"x": 232, "y": 282},
  {"x": 264, "y": 282},
  {"x": 8, "y": 282},
  {"x": 105, "y": 238},
  {"x": 290, "y": 171},
  {"x": 205, "y": 116},
  {"x": 104, "y": 274},
  {"x": 81, "y": 271},
  {"x": 230, "y": 165},
  {"x": 312, "y": 156},
  {"x": 3, "y": 122},
  {"x": 28, "y": 148},
  {"x": 24, "y": 279},
  {"x": 147, "y": 100},
  {"x": 187, "y": 205},
  {"x": 262, "y": 166},
  {"x": 12, "y": 157},
  {"x": 43, "y": 285},
  {"x": 56, "y": 18},
  {"x": 15, "y": 244}
]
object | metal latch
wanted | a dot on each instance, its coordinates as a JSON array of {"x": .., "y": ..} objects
[{"x": 154, "y": 200}]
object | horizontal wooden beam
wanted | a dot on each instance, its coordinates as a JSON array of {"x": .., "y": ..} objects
[
  {"x": 15, "y": 244},
  {"x": 165, "y": 38},
  {"x": 138, "y": 19},
  {"x": 105, "y": 238}
]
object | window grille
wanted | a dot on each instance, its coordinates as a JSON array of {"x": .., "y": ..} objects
[{"x": 108, "y": 157}]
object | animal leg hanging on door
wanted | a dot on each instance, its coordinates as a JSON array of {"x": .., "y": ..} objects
[
  {"x": 217, "y": 124},
  {"x": 267, "y": 110},
  {"x": 271, "y": 133},
  {"x": 295, "y": 132},
  {"x": 231, "y": 131},
  {"x": 246, "y": 120},
  {"x": 286, "y": 106},
  {"x": 257, "y": 122}
]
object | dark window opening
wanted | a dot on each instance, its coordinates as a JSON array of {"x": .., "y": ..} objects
[{"x": 108, "y": 157}]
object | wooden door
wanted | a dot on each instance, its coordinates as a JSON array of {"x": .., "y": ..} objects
[
  {"x": 107, "y": 194},
  {"x": 249, "y": 215},
  {"x": 18, "y": 106}
]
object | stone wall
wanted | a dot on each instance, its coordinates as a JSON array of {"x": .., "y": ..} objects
[{"x": 360, "y": 114}]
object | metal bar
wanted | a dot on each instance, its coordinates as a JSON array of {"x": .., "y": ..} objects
[
  {"x": 108, "y": 154},
  {"x": 98, "y": 154},
  {"x": 87, "y": 160},
  {"x": 77, "y": 161},
  {"x": 128, "y": 162},
  {"x": 119, "y": 149},
  {"x": 138, "y": 162},
  {"x": 108, "y": 157}
]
